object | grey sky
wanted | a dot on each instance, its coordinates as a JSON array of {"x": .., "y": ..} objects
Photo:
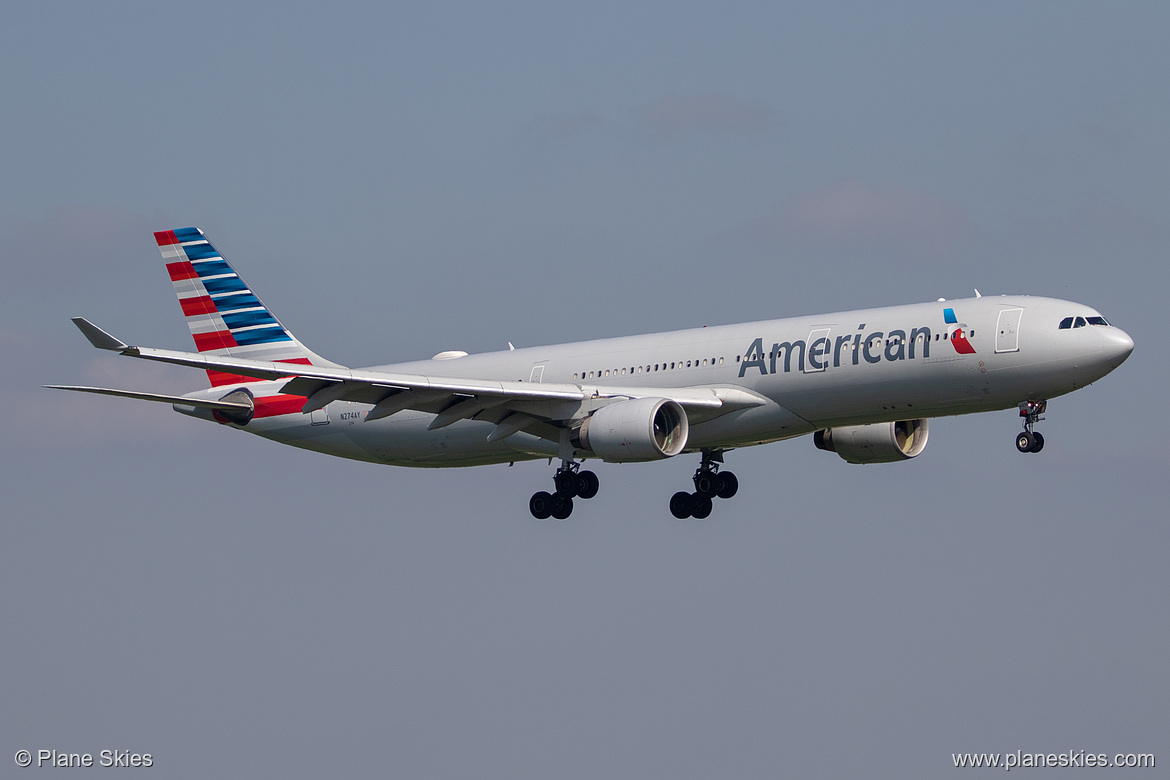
[{"x": 396, "y": 182}]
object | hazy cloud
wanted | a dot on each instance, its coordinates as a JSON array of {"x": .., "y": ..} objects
[
  {"x": 855, "y": 215},
  {"x": 709, "y": 113},
  {"x": 49, "y": 417}
]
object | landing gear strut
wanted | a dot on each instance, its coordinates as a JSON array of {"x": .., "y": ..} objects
[
  {"x": 710, "y": 483},
  {"x": 570, "y": 481},
  {"x": 1028, "y": 440}
]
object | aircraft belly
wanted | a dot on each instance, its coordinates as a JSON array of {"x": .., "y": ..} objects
[
  {"x": 403, "y": 439},
  {"x": 744, "y": 427},
  {"x": 298, "y": 431}
]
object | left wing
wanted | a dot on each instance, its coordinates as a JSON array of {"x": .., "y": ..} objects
[{"x": 450, "y": 399}]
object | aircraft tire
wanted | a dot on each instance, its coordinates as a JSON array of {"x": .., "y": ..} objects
[
  {"x": 587, "y": 484},
  {"x": 706, "y": 484},
  {"x": 728, "y": 485},
  {"x": 1039, "y": 445},
  {"x": 562, "y": 507},
  {"x": 566, "y": 482},
  {"x": 701, "y": 507},
  {"x": 540, "y": 505},
  {"x": 680, "y": 505},
  {"x": 1025, "y": 441}
]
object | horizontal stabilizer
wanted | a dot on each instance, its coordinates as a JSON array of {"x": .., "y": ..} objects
[
  {"x": 98, "y": 337},
  {"x": 222, "y": 406}
]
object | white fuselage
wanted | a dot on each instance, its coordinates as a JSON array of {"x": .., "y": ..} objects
[{"x": 812, "y": 372}]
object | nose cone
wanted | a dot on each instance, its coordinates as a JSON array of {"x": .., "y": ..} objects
[{"x": 1115, "y": 346}]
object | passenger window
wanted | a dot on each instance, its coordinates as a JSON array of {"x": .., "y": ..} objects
[
  {"x": 1079, "y": 322},
  {"x": 1066, "y": 323}
]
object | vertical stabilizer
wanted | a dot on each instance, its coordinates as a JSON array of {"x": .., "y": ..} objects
[{"x": 224, "y": 315}]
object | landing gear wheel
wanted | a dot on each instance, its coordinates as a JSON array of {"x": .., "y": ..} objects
[
  {"x": 566, "y": 482},
  {"x": 1026, "y": 442},
  {"x": 680, "y": 505},
  {"x": 728, "y": 485},
  {"x": 540, "y": 505},
  {"x": 562, "y": 507},
  {"x": 700, "y": 506},
  {"x": 587, "y": 484},
  {"x": 1039, "y": 445},
  {"x": 706, "y": 484}
]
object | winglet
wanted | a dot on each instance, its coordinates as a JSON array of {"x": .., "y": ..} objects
[{"x": 98, "y": 337}]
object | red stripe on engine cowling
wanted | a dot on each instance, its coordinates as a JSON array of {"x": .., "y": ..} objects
[
  {"x": 201, "y": 304},
  {"x": 276, "y": 405},
  {"x": 181, "y": 270},
  {"x": 166, "y": 237},
  {"x": 216, "y": 339}
]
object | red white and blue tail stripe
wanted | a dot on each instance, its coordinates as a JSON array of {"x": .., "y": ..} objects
[{"x": 225, "y": 316}]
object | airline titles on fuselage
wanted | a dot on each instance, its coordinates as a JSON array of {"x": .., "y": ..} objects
[{"x": 824, "y": 351}]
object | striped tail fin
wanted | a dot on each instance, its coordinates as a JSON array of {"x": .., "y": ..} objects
[{"x": 225, "y": 316}]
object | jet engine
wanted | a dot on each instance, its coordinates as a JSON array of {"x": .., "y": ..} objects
[
  {"x": 876, "y": 443},
  {"x": 640, "y": 429}
]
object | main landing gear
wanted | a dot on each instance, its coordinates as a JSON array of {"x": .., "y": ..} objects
[
  {"x": 1028, "y": 440},
  {"x": 570, "y": 482},
  {"x": 710, "y": 483}
]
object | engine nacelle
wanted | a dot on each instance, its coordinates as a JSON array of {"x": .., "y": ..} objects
[
  {"x": 876, "y": 443},
  {"x": 640, "y": 429}
]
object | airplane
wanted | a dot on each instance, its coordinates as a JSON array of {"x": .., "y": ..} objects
[{"x": 863, "y": 383}]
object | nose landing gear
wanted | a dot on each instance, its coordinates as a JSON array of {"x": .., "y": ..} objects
[
  {"x": 1028, "y": 440},
  {"x": 710, "y": 483},
  {"x": 570, "y": 482}
]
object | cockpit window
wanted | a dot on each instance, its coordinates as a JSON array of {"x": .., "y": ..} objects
[
  {"x": 1079, "y": 322},
  {"x": 1097, "y": 321},
  {"x": 1066, "y": 323}
]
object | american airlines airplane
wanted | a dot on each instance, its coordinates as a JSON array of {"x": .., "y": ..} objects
[{"x": 864, "y": 383}]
